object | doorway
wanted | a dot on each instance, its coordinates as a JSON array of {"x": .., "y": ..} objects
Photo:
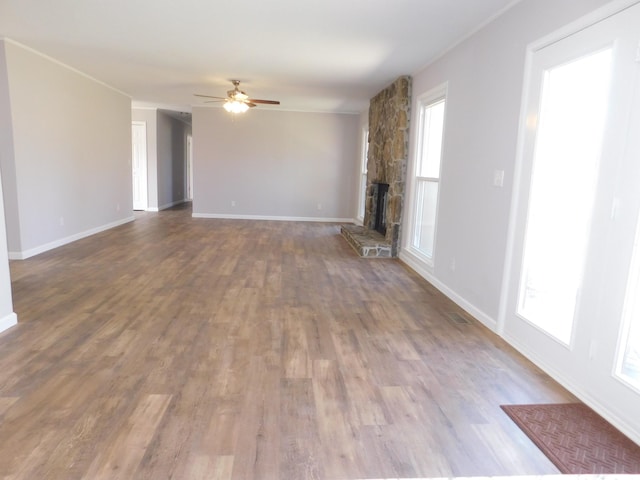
[
  {"x": 139, "y": 165},
  {"x": 577, "y": 205}
]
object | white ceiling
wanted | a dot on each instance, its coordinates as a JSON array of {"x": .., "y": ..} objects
[{"x": 316, "y": 55}]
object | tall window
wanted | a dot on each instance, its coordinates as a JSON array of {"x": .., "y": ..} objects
[
  {"x": 427, "y": 173},
  {"x": 363, "y": 173}
]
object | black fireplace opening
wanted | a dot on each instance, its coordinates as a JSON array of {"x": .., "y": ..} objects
[{"x": 380, "y": 224}]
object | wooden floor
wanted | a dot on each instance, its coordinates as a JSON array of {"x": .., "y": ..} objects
[{"x": 184, "y": 348}]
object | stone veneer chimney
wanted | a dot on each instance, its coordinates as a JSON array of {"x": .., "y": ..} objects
[{"x": 389, "y": 114}]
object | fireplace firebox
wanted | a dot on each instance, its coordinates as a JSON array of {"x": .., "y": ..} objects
[{"x": 380, "y": 224}]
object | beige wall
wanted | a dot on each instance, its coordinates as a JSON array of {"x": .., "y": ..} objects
[
  {"x": 274, "y": 164},
  {"x": 69, "y": 174}
]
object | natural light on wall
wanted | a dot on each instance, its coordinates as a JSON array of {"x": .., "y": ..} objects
[{"x": 565, "y": 170}]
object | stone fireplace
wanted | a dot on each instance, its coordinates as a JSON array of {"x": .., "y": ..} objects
[{"x": 389, "y": 114}]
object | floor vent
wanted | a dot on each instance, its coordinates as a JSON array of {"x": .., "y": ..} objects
[{"x": 458, "y": 318}]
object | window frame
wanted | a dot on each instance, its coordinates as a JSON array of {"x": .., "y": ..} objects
[
  {"x": 423, "y": 103},
  {"x": 362, "y": 177}
]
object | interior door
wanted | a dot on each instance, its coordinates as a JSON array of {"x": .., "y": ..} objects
[
  {"x": 577, "y": 206},
  {"x": 139, "y": 164},
  {"x": 189, "y": 167}
]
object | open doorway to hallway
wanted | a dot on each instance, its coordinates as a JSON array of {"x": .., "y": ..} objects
[{"x": 139, "y": 164}]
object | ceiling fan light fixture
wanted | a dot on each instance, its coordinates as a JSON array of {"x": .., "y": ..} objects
[
  {"x": 240, "y": 96},
  {"x": 233, "y": 106},
  {"x": 237, "y": 101}
]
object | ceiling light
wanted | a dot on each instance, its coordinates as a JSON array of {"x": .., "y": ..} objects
[
  {"x": 233, "y": 106},
  {"x": 240, "y": 96}
]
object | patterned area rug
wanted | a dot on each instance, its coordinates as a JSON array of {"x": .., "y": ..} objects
[{"x": 576, "y": 439}]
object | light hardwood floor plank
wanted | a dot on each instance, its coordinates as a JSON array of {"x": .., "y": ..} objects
[
  {"x": 121, "y": 460},
  {"x": 174, "y": 347}
]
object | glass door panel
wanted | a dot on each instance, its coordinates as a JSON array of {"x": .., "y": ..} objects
[
  {"x": 628, "y": 367},
  {"x": 573, "y": 110},
  {"x": 427, "y": 202}
]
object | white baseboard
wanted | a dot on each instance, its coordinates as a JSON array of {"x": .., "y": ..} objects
[
  {"x": 8, "y": 321},
  {"x": 269, "y": 217},
  {"x": 166, "y": 205},
  {"x": 63, "y": 241},
  {"x": 539, "y": 361},
  {"x": 172, "y": 204},
  {"x": 418, "y": 266},
  {"x": 568, "y": 383}
]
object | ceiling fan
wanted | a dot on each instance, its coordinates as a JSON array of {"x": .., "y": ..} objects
[{"x": 237, "y": 101}]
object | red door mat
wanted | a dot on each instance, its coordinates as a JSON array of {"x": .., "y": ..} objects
[{"x": 576, "y": 439}]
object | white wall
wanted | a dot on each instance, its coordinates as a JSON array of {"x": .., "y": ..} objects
[
  {"x": 274, "y": 164},
  {"x": 70, "y": 173},
  {"x": 7, "y": 165},
  {"x": 7, "y": 317},
  {"x": 485, "y": 76}
]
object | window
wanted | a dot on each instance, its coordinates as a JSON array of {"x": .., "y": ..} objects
[
  {"x": 363, "y": 173},
  {"x": 427, "y": 173}
]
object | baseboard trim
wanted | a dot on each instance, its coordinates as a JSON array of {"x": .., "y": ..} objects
[
  {"x": 23, "y": 255},
  {"x": 418, "y": 266},
  {"x": 272, "y": 218},
  {"x": 172, "y": 204},
  {"x": 166, "y": 206},
  {"x": 8, "y": 321},
  {"x": 415, "y": 264},
  {"x": 574, "y": 388}
]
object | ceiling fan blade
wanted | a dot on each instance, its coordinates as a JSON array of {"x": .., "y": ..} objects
[
  {"x": 237, "y": 95},
  {"x": 266, "y": 102},
  {"x": 209, "y": 96}
]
